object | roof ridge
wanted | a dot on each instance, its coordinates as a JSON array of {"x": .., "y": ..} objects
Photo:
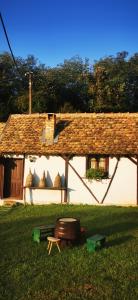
[{"x": 76, "y": 115}]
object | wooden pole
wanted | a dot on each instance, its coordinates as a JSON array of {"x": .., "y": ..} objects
[
  {"x": 30, "y": 93},
  {"x": 66, "y": 179}
]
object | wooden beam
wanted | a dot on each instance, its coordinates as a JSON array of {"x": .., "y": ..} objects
[
  {"x": 83, "y": 182},
  {"x": 66, "y": 179},
  {"x": 116, "y": 166},
  {"x": 132, "y": 159},
  {"x": 135, "y": 161}
]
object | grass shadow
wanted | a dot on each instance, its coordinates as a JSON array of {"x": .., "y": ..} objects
[{"x": 118, "y": 241}]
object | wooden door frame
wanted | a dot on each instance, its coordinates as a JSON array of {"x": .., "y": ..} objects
[{"x": 22, "y": 177}]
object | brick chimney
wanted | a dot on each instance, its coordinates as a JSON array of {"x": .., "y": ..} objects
[{"x": 50, "y": 128}]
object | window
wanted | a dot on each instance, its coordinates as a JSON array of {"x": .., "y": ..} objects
[{"x": 97, "y": 167}]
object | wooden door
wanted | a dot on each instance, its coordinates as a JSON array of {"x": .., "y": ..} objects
[
  {"x": 13, "y": 181},
  {"x": 1, "y": 179}
]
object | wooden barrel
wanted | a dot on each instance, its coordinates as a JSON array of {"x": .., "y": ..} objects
[{"x": 68, "y": 229}]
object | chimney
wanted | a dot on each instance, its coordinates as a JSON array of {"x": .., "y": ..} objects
[{"x": 50, "y": 128}]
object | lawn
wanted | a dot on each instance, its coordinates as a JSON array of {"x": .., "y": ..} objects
[{"x": 27, "y": 272}]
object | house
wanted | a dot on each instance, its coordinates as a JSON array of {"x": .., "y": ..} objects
[{"x": 45, "y": 145}]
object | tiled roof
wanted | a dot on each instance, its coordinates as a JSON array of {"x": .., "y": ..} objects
[
  {"x": 1, "y": 127},
  {"x": 79, "y": 133}
]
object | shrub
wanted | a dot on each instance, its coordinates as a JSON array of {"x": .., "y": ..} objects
[{"x": 96, "y": 174}]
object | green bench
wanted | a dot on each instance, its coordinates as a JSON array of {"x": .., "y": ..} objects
[
  {"x": 95, "y": 242},
  {"x": 42, "y": 232}
]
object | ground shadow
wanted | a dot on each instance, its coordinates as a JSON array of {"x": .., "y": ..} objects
[
  {"x": 115, "y": 226},
  {"x": 118, "y": 241}
]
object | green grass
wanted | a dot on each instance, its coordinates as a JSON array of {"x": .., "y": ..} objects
[{"x": 27, "y": 272}]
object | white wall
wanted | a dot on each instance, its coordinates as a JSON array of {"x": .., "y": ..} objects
[
  {"x": 52, "y": 166},
  {"x": 42, "y": 196},
  {"x": 122, "y": 190}
]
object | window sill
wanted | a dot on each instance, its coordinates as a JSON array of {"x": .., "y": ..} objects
[{"x": 94, "y": 179}]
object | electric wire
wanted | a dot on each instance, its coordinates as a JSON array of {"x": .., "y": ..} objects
[
  {"x": 9, "y": 45},
  {"x": 8, "y": 42},
  {"x": 6, "y": 35}
]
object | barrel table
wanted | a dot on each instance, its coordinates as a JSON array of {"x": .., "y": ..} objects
[{"x": 68, "y": 230}]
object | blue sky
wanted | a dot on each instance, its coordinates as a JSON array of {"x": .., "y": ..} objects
[{"x": 54, "y": 30}]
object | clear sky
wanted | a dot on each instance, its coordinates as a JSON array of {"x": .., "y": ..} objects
[{"x": 54, "y": 30}]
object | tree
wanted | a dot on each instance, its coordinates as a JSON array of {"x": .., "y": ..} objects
[
  {"x": 8, "y": 86},
  {"x": 132, "y": 82},
  {"x": 71, "y": 84},
  {"x": 111, "y": 85}
]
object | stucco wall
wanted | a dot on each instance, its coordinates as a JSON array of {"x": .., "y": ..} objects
[
  {"x": 122, "y": 190},
  {"x": 52, "y": 166}
]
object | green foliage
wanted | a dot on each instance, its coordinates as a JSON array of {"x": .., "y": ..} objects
[
  {"x": 97, "y": 174},
  {"x": 27, "y": 272},
  {"x": 113, "y": 84},
  {"x": 110, "y": 86}
]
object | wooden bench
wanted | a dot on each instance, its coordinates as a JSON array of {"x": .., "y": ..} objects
[
  {"x": 95, "y": 242},
  {"x": 42, "y": 232}
]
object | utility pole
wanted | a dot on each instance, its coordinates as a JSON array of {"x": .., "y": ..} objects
[{"x": 29, "y": 74}]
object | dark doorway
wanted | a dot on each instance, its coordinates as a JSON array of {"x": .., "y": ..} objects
[
  {"x": 1, "y": 177},
  {"x": 13, "y": 178}
]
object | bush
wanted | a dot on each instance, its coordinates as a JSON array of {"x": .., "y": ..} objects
[{"x": 96, "y": 174}]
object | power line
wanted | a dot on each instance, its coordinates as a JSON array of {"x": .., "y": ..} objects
[
  {"x": 6, "y": 35},
  {"x": 28, "y": 73}
]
